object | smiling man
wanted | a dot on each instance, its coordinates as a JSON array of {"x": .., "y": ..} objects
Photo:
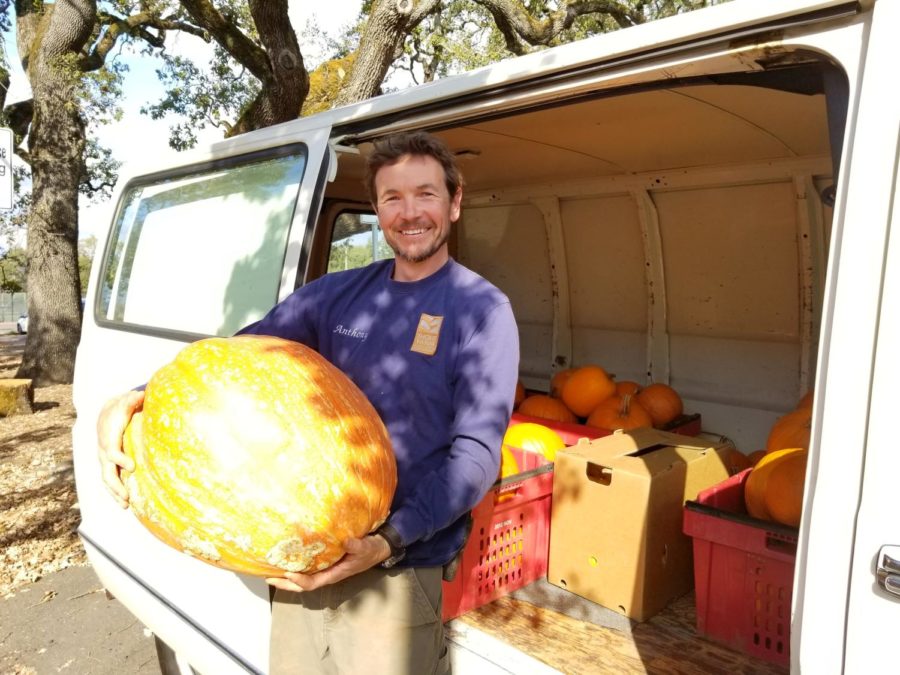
[{"x": 435, "y": 348}]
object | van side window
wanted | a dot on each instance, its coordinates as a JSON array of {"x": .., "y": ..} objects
[
  {"x": 356, "y": 241},
  {"x": 203, "y": 252}
]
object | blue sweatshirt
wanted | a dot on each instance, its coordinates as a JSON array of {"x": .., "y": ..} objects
[{"x": 438, "y": 358}]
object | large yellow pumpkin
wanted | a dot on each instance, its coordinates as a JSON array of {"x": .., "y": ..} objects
[
  {"x": 257, "y": 455},
  {"x": 534, "y": 437}
]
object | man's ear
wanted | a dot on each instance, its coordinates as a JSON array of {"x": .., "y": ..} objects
[{"x": 456, "y": 205}]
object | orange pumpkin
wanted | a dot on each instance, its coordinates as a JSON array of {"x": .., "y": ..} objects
[
  {"x": 520, "y": 394},
  {"x": 558, "y": 380},
  {"x": 784, "y": 491},
  {"x": 791, "y": 430},
  {"x": 662, "y": 402},
  {"x": 755, "y": 456},
  {"x": 257, "y": 455},
  {"x": 545, "y": 407},
  {"x": 735, "y": 461},
  {"x": 627, "y": 387},
  {"x": 535, "y": 438},
  {"x": 757, "y": 484},
  {"x": 586, "y": 388},
  {"x": 619, "y": 412}
]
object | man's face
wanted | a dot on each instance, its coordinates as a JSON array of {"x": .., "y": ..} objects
[{"x": 415, "y": 210}]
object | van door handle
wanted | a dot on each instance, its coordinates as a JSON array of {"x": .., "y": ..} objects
[{"x": 888, "y": 569}]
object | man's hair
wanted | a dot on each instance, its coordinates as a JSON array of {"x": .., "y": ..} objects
[{"x": 390, "y": 149}]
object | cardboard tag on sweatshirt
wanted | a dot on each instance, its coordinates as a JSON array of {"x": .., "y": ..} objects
[{"x": 427, "y": 334}]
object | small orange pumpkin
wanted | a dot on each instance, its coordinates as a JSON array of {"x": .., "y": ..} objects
[
  {"x": 662, "y": 402},
  {"x": 791, "y": 430},
  {"x": 586, "y": 388},
  {"x": 627, "y": 387},
  {"x": 520, "y": 394},
  {"x": 735, "y": 461},
  {"x": 558, "y": 380},
  {"x": 619, "y": 412},
  {"x": 548, "y": 408},
  {"x": 757, "y": 484},
  {"x": 784, "y": 491},
  {"x": 755, "y": 456}
]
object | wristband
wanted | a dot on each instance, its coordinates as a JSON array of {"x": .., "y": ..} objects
[{"x": 392, "y": 537}]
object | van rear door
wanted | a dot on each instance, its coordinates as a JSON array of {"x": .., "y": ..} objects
[
  {"x": 194, "y": 251},
  {"x": 845, "y": 620}
]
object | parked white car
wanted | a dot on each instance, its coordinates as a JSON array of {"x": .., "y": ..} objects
[{"x": 22, "y": 324}]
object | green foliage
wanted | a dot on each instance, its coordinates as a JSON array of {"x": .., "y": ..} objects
[
  {"x": 346, "y": 255},
  {"x": 13, "y": 268},
  {"x": 201, "y": 97},
  {"x": 462, "y": 34},
  {"x": 87, "y": 248},
  {"x": 459, "y": 37}
]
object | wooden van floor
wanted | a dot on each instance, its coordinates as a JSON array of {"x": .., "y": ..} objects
[{"x": 667, "y": 643}]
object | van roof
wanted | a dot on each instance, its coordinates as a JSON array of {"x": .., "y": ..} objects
[{"x": 736, "y": 19}]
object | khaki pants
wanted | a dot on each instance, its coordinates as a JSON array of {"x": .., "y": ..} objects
[{"x": 380, "y": 621}]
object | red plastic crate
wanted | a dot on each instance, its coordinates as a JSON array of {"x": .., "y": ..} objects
[
  {"x": 743, "y": 572},
  {"x": 509, "y": 542}
]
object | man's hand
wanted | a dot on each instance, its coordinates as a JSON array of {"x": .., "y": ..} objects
[
  {"x": 361, "y": 555},
  {"x": 114, "y": 417}
]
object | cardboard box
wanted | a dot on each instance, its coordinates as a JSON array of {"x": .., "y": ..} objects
[{"x": 616, "y": 521}]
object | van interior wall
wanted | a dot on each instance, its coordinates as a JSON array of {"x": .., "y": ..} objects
[{"x": 673, "y": 236}]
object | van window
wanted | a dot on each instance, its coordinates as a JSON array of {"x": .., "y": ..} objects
[
  {"x": 356, "y": 241},
  {"x": 203, "y": 252}
]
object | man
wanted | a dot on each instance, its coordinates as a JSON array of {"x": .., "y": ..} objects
[{"x": 435, "y": 349}]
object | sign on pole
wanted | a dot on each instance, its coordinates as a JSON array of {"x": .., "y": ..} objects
[{"x": 6, "y": 174}]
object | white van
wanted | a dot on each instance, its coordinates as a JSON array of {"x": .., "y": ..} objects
[{"x": 704, "y": 200}]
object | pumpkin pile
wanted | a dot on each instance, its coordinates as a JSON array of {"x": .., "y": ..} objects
[
  {"x": 257, "y": 455},
  {"x": 591, "y": 396},
  {"x": 774, "y": 487}
]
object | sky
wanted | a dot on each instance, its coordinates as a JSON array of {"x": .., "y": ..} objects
[{"x": 138, "y": 136}]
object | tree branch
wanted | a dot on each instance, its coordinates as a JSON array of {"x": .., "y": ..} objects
[
  {"x": 521, "y": 28},
  {"x": 232, "y": 40},
  {"x": 136, "y": 25}
]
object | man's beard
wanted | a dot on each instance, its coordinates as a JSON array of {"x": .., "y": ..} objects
[{"x": 424, "y": 255}]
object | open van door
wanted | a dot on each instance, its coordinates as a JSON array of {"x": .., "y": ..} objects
[
  {"x": 873, "y": 613},
  {"x": 847, "y": 584},
  {"x": 194, "y": 251}
]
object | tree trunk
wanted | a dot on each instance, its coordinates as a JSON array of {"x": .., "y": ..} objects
[
  {"x": 57, "y": 143},
  {"x": 389, "y": 23},
  {"x": 285, "y": 88}
]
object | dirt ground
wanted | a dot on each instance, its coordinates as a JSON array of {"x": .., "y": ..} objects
[
  {"x": 38, "y": 508},
  {"x": 54, "y": 615}
]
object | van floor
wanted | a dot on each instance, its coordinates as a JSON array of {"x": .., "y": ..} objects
[{"x": 667, "y": 643}]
